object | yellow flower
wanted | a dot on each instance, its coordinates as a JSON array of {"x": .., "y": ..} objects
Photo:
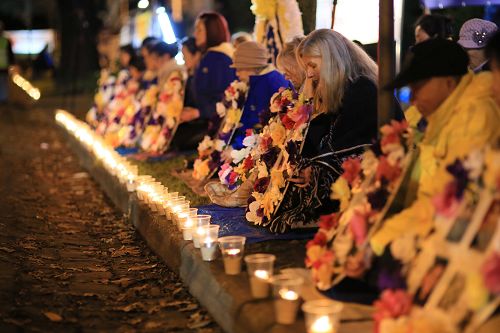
[
  {"x": 233, "y": 116},
  {"x": 477, "y": 294},
  {"x": 491, "y": 175},
  {"x": 341, "y": 192},
  {"x": 277, "y": 178},
  {"x": 315, "y": 252},
  {"x": 200, "y": 169},
  {"x": 264, "y": 8},
  {"x": 278, "y": 133}
]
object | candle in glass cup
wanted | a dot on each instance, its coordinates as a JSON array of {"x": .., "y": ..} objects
[
  {"x": 286, "y": 289},
  {"x": 322, "y": 316},
  {"x": 208, "y": 244},
  {"x": 260, "y": 269},
  {"x": 197, "y": 230},
  {"x": 232, "y": 252}
]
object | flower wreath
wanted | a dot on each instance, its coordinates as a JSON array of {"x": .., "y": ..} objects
[
  {"x": 210, "y": 149},
  {"x": 365, "y": 190},
  {"x": 395, "y": 310},
  {"x": 165, "y": 119},
  {"x": 280, "y": 145},
  {"x": 105, "y": 87},
  {"x": 236, "y": 172}
]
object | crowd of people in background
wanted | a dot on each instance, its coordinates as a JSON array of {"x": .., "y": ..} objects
[{"x": 157, "y": 105}]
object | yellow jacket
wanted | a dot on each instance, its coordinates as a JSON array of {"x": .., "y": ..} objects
[{"x": 469, "y": 118}]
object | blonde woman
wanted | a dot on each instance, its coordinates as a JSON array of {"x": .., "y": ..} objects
[
  {"x": 341, "y": 81},
  {"x": 287, "y": 63}
]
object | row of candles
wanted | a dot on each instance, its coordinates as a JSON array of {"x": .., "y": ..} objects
[
  {"x": 25, "y": 85},
  {"x": 321, "y": 316}
]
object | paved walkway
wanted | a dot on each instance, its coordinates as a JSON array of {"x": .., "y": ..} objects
[{"x": 69, "y": 262}]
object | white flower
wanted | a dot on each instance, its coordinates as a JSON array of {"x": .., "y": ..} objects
[
  {"x": 404, "y": 248},
  {"x": 342, "y": 245},
  {"x": 239, "y": 155},
  {"x": 474, "y": 164},
  {"x": 250, "y": 141},
  {"x": 221, "y": 109},
  {"x": 219, "y": 145},
  {"x": 205, "y": 144},
  {"x": 251, "y": 215},
  {"x": 396, "y": 154},
  {"x": 369, "y": 163}
]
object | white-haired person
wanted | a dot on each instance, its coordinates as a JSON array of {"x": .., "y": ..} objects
[{"x": 341, "y": 81}]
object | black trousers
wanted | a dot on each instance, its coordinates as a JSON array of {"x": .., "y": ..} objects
[{"x": 189, "y": 134}]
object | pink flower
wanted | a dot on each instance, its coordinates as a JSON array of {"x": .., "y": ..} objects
[
  {"x": 329, "y": 221},
  {"x": 446, "y": 202},
  {"x": 386, "y": 170},
  {"x": 491, "y": 273},
  {"x": 391, "y": 304},
  {"x": 326, "y": 259},
  {"x": 352, "y": 168},
  {"x": 300, "y": 115},
  {"x": 357, "y": 225},
  {"x": 391, "y": 133},
  {"x": 319, "y": 239}
]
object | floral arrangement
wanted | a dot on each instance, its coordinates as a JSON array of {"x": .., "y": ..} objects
[
  {"x": 236, "y": 172},
  {"x": 364, "y": 191},
  {"x": 396, "y": 310},
  {"x": 280, "y": 20},
  {"x": 165, "y": 118},
  {"x": 105, "y": 87},
  {"x": 210, "y": 149},
  {"x": 278, "y": 152}
]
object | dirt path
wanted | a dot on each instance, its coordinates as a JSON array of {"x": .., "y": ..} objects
[{"x": 69, "y": 262}]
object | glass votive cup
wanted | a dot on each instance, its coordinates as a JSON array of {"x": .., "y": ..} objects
[
  {"x": 198, "y": 232},
  {"x": 286, "y": 292},
  {"x": 208, "y": 244},
  {"x": 260, "y": 269},
  {"x": 171, "y": 204},
  {"x": 184, "y": 216},
  {"x": 322, "y": 316},
  {"x": 176, "y": 210},
  {"x": 232, "y": 248}
]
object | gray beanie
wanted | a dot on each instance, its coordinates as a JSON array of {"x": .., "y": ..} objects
[{"x": 250, "y": 55}]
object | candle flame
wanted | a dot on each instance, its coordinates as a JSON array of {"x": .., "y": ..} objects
[
  {"x": 233, "y": 252},
  {"x": 288, "y": 294},
  {"x": 261, "y": 274},
  {"x": 322, "y": 324}
]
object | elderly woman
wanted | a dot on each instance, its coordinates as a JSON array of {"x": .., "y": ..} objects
[{"x": 341, "y": 82}]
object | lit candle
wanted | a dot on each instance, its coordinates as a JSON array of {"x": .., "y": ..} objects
[
  {"x": 199, "y": 233},
  {"x": 232, "y": 261},
  {"x": 322, "y": 325},
  {"x": 208, "y": 249},
  {"x": 187, "y": 229},
  {"x": 259, "y": 284}
]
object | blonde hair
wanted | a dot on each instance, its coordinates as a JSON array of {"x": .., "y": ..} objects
[
  {"x": 342, "y": 61},
  {"x": 288, "y": 61}
]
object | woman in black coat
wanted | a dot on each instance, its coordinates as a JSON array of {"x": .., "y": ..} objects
[{"x": 341, "y": 83}]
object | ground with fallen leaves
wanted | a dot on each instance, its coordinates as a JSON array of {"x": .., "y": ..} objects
[{"x": 69, "y": 261}]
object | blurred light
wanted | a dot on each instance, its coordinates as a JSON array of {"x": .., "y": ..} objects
[
  {"x": 179, "y": 58},
  {"x": 25, "y": 85},
  {"x": 165, "y": 26},
  {"x": 143, "y": 4}
]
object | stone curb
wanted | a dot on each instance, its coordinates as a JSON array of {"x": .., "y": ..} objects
[{"x": 227, "y": 298}]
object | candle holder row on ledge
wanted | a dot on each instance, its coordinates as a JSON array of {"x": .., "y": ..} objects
[{"x": 321, "y": 316}]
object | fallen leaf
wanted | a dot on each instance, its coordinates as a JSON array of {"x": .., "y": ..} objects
[
  {"x": 6, "y": 249},
  {"x": 189, "y": 307},
  {"x": 141, "y": 267},
  {"x": 53, "y": 316},
  {"x": 124, "y": 282},
  {"x": 178, "y": 290},
  {"x": 97, "y": 269},
  {"x": 153, "y": 324},
  {"x": 199, "y": 324}
]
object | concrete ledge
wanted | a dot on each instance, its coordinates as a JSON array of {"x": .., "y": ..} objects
[{"x": 227, "y": 298}]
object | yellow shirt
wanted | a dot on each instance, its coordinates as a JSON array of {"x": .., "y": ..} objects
[{"x": 469, "y": 118}]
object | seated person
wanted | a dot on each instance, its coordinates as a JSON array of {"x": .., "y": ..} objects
[
  {"x": 461, "y": 115},
  {"x": 251, "y": 62},
  {"x": 474, "y": 35}
]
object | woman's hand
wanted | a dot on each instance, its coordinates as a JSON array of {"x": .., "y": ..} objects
[
  {"x": 189, "y": 113},
  {"x": 304, "y": 177}
]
